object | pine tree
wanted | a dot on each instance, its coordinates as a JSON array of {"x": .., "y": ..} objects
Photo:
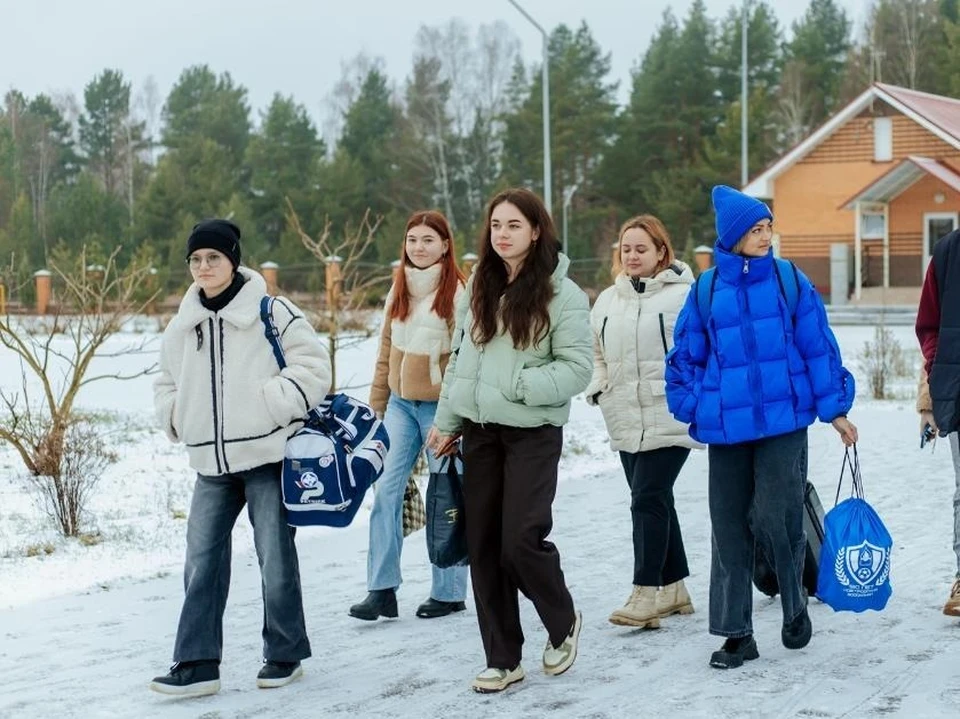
[
  {"x": 816, "y": 56},
  {"x": 583, "y": 123},
  {"x": 106, "y": 130},
  {"x": 204, "y": 105},
  {"x": 283, "y": 159}
]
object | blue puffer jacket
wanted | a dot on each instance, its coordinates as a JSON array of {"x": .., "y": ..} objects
[{"x": 752, "y": 373}]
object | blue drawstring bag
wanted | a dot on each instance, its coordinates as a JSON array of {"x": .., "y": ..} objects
[{"x": 855, "y": 558}]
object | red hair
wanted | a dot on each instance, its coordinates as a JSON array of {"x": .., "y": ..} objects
[{"x": 450, "y": 275}]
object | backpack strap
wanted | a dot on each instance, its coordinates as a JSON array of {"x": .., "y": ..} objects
[
  {"x": 270, "y": 330},
  {"x": 704, "y": 289},
  {"x": 790, "y": 290},
  {"x": 273, "y": 337}
]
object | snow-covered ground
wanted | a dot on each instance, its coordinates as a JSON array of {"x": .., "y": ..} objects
[{"x": 84, "y": 628}]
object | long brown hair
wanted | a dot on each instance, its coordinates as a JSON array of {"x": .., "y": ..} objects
[
  {"x": 523, "y": 309},
  {"x": 450, "y": 274},
  {"x": 658, "y": 233}
]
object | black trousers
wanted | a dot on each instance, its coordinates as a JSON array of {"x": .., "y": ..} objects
[
  {"x": 510, "y": 480},
  {"x": 756, "y": 488},
  {"x": 658, "y": 555}
]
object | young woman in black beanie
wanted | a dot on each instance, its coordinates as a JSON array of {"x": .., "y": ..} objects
[{"x": 215, "y": 365}]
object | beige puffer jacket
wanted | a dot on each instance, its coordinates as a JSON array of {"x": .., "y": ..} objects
[{"x": 633, "y": 331}]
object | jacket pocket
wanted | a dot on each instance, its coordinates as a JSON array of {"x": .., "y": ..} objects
[{"x": 511, "y": 389}]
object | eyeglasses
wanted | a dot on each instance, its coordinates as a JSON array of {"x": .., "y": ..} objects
[{"x": 213, "y": 261}]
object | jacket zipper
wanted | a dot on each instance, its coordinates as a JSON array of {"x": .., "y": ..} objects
[
  {"x": 476, "y": 386},
  {"x": 750, "y": 342},
  {"x": 663, "y": 335},
  {"x": 603, "y": 331},
  {"x": 216, "y": 348}
]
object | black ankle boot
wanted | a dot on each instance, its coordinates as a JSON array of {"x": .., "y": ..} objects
[
  {"x": 796, "y": 634},
  {"x": 379, "y": 603},
  {"x": 189, "y": 679},
  {"x": 734, "y": 652},
  {"x": 433, "y": 608}
]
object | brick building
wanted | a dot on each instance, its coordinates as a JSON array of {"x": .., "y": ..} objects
[{"x": 882, "y": 175}]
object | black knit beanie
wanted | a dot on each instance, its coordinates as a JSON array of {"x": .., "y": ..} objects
[{"x": 220, "y": 235}]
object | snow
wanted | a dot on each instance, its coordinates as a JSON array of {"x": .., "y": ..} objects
[{"x": 84, "y": 628}]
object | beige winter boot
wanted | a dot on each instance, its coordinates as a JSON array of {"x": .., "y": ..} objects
[
  {"x": 952, "y": 607},
  {"x": 673, "y": 599},
  {"x": 639, "y": 611}
]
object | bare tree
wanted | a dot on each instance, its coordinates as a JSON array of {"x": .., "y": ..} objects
[
  {"x": 345, "y": 92},
  {"x": 903, "y": 34},
  {"x": 66, "y": 102},
  {"x": 427, "y": 97},
  {"x": 794, "y": 106},
  {"x": 476, "y": 68},
  {"x": 350, "y": 281},
  {"x": 58, "y": 361},
  {"x": 147, "y": 106}
]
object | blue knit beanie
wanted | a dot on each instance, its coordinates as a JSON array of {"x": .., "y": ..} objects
[{"x": 736, "y": 214}]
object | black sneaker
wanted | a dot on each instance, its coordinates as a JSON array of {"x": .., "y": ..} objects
[
  {"x": 433, "y": 608},
  {"x": 278, "y": 674},
  {"x": 189, "y": 679},
  {"x": 796, "y": 634},
  {"x": 379, "y": 603},
  {"x": 734, "y": 652}
]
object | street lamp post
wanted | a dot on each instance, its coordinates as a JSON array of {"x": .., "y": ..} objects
[
  {"x": 547, "y": 184},
  {"x": 567, "y": 196},
  {"x": 744, "y": 175}
]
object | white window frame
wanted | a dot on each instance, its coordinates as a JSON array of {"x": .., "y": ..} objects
[
  {"x": 882, "y": 139},
  {"x": 872, "y": 211},
  {"x": 927, "y": 216}
]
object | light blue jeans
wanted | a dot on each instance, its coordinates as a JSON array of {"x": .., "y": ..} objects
[{"x": 407, "y": 422}]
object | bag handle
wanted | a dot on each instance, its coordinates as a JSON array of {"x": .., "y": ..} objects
[
  {"x": 856, "y": 476},
  {"x": 448, "y": 461}
]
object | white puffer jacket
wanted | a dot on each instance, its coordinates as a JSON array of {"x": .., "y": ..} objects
[
  {"x": 633, "y": 331},
  {"x": 220, "y": 390}
]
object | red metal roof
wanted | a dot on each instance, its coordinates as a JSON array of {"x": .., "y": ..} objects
[
  {"x": 902, "y": 176},
  {"x": 944, "y": 112},
  {"x": 938, "y": 115}
]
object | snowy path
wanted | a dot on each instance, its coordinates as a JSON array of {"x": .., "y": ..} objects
[{"x": 92, "y": 654}]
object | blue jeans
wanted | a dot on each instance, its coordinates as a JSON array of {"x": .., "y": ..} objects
[
  {"x": 763, "y": 480},
  {"x": 217, "y": 501},
  {"x": 407, "y": 422}
]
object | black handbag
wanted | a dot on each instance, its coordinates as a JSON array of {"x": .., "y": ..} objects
[
  {"x": 446, "y": 523},
  {"x": 764, "y": 575}
]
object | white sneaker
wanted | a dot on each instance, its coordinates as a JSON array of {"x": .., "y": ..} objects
[
  {"x": 640, "y": 610},
  {"x": 674, "y": 599},
  {"x": 491, "y": 681},
  {"x": 556, "y": 660}
]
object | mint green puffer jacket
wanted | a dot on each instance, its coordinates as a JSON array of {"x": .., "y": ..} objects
[{"x": 527, "y": 387}]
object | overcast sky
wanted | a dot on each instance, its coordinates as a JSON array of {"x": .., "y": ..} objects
[{"x": 293, "y": 46}]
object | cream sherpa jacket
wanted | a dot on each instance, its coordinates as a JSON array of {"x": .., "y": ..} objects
[{"x": 220, "y": 390}]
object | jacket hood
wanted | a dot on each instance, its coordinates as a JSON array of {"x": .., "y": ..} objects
[
  {"x": 678, "y": 273},
  {"x": 242, "y": 311}
]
